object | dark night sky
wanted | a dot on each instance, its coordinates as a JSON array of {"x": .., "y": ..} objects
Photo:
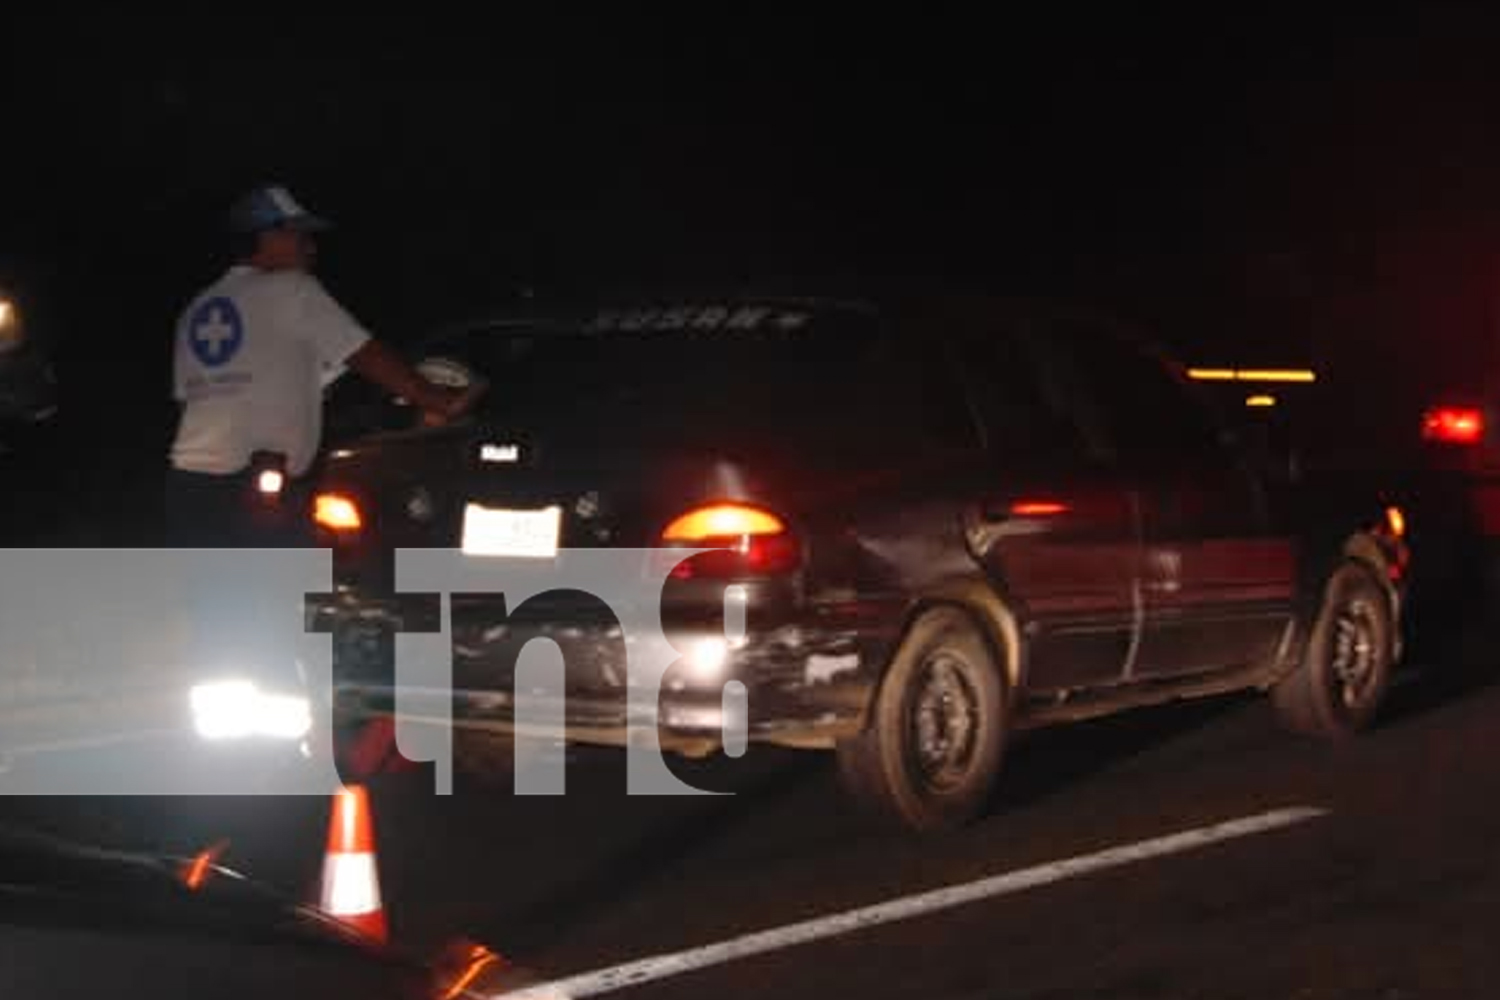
[
  {"x": 1194, "y": 165},
  {"x": 465, "y": 156}
]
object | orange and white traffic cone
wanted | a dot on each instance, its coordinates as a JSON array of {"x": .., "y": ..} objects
[{"x": 351, "y": 877}]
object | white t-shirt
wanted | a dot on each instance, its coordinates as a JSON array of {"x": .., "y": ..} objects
[{"x": 253, "y": 354}]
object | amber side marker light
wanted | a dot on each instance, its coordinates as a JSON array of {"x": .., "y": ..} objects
[{"x": 1037, "y": 508}]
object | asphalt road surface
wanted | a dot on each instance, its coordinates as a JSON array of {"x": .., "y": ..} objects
[{"x": 1195, "y": 851}]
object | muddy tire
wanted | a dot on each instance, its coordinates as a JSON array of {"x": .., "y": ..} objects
[
  {"x": 1341, "y": 683},
  {"x": 932, "y": 752}
]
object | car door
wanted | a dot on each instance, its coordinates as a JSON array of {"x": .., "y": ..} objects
[
  {"x": 1056, "y": 528},
  {"x": 1217, "y": 581}
]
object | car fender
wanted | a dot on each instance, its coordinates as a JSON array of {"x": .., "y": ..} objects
[{"x": 989, "y": 610}]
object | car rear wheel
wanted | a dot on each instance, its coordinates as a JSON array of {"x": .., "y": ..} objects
[
  {"x": 1346, "y": 669},
  {"x": 937, "y": 733}
]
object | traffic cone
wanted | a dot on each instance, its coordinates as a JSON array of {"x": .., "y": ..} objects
[{"x": 351, "y": 879}]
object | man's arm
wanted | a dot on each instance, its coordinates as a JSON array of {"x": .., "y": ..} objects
[
  {"x": 383, "y": 366},
  {"x": 340, "y": 340}
]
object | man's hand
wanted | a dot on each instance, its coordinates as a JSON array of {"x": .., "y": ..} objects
[
  {"x": 439, "y": 404},
  {"x": 451, "y": 404}
]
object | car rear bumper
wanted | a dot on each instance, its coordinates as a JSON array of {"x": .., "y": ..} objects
[
  {"x": 794, "y": 683},
  {"x": 691, "y": 726}
]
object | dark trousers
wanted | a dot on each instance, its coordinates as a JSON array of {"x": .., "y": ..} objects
[
  {"x": 205, "y": 511},
  {"x": 239, "y": 623}
]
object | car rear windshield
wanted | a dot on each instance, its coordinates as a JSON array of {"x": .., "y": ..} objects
[{"x": 714, "y": 377}]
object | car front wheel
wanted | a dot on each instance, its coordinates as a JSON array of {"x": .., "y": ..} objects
[{"x": 932, "y": 750}]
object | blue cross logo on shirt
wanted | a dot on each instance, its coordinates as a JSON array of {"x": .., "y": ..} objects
[{"x": 215, "y": 332}]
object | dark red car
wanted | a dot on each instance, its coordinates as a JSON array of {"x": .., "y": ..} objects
[{"x": 949, "y": 518}]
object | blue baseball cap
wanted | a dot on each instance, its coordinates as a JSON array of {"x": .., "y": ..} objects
[{"x": 273, "y": 207}]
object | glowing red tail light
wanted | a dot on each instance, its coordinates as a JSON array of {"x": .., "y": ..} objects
[
  {"x": 1453, "y": 425},
  {"x": 723, "y": 520},
  {"x": 749, "y": 541}
]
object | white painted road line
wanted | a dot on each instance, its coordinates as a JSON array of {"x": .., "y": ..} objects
[{"x": 648, "y": 970}]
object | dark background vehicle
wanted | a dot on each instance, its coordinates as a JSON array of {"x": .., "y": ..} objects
[
  {"x": 949, "y": 518},
  {"x": 29, "y": 401},
  {"x": 1396, "y": 315},
  {"x": 1394, "y": 386},
  {"x": 80, "y": 919}
]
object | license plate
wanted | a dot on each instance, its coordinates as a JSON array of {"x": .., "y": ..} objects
[{"x": 525, "y": 534}]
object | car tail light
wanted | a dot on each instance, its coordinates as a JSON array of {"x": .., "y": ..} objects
[
  {"x": 750, "y": 541},
  {"x": 1453, "y": 425},
  {"x": 721, "y": 521},
  {"x": 337, "y": 512}
]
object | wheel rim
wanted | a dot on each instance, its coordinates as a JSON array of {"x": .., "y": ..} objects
[
  {"x": 1355, "y": 654},
  {"x": 944, "y": 722}
]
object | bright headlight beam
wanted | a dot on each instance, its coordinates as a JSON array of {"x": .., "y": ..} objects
[
  {"x": 237, "y": 709},
  {"x": 707, "y": 657}
]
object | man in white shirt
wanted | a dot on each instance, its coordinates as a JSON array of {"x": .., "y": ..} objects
[{"x": 253, "y": 354}]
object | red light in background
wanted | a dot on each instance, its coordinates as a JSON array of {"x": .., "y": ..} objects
[{"x": 1453, "y": 425}]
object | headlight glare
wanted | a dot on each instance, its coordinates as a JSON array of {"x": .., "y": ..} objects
[{"x": 238, "y": 709}]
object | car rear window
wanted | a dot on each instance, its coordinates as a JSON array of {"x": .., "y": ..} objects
[{"x": 715, "y": 376}]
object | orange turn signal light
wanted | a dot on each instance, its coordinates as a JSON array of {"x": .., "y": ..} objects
[{"x": 336, "y": 512}]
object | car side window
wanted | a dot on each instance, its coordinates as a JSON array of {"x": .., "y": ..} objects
[
  {"x": 936, "y": 396},
  {"x": 1020, "y": 412},
  {"x": 891, "y": 391},
  {"x": 1128, "y": 400}
]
